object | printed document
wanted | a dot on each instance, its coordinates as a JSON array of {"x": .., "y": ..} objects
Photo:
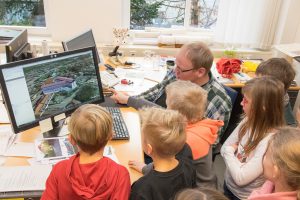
[{"x": 24, "y": 178}]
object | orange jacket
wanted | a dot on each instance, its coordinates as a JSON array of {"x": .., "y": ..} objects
[{"x": 201, "y": 135}]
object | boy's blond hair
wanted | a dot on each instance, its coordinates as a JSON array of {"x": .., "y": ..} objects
[
  {"x": 90, "y": 127},
  {"x": 164, "y": 130},
  {"x": 188, "y": 98}
]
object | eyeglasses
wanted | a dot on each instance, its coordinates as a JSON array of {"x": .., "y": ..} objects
[{"x": 182, "y": 71}]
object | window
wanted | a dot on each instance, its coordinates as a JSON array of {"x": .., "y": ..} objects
[
  {"x": 162, "y": 13},
  {"x": 22, "y": 13}
]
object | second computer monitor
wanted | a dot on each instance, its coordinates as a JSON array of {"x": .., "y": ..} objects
[
  {"x": 18, "y": 48},
  {"x": 83, "y": 40}
]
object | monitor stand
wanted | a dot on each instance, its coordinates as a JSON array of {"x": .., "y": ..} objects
[{"x": 57, "y": 126}]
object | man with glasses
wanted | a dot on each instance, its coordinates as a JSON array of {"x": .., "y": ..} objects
[{"x": 193, "y": 63}]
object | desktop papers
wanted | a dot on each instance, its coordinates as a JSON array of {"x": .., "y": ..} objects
[
  {"x": 110, "y": 153},
  {"x": 9, "y": 147},
  {"x": 3, "y": 114},
  {"x": 22, "y": 149},
  {"x": 6, "y": 138},
  {"x": 54, "y": 149},
  {"x": 24, "y": 178}
]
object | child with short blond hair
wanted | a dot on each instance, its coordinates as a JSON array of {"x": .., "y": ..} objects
[
  {"x": 88, "y": 175},
  {"x": 200, "y": 194},
  {"x": 281, "y": 167},
  {"x": 202, "y": 133},
  {"x": 163, "y": 136},
  {"x": 191, "y": 102}
]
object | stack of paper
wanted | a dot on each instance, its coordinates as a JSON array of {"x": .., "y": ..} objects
[
  {"x": 3, "y": 114},
  {"x": 6, "y": 138},
  {"x": 24, "y": 178}
]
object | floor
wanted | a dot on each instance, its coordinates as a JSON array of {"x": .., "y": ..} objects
[{"x": 219, "y": 167}]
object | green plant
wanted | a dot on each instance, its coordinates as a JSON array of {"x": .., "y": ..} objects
[{"x": 230, "y": 53}]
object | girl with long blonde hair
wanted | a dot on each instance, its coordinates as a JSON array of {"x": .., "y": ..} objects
[{"x": 244, "y": 149}]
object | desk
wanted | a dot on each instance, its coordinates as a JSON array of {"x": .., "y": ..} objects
[{"x": 125, "y": 150}]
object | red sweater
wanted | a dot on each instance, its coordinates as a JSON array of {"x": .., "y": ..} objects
[
  {"x": 201, "y": 135},
  {"x": 103, "y": 179}
]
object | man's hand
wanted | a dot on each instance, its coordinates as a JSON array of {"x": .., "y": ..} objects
[{"x": 120, "y": 97}]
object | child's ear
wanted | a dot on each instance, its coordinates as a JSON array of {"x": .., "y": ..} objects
[
  {"x": 276, "y": 172},
  {"x": 72, "y": 141},
  {"x": 111, "y": 136},
  {"x": 149, "y": 149}
]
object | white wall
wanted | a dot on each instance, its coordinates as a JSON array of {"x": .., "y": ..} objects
[{"x": 68, "y": 18}]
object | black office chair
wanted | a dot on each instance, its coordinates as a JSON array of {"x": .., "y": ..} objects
[
  {"x": 233, "y": 96},
  {"x": 231, "y": 93}
]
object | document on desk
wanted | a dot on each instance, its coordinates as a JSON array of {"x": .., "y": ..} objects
[
  {"x": 3, "y": 114},
  {"x": 24, "y": 178},
  {"x": 110, "y": 153},
  {"x": 22, "y": 149},
  {"x": 6, "y": 138},
  {"x": 54, "y": 149}
]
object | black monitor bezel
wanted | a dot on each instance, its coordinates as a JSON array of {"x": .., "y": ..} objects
[
  {"x": 67, "y": 112},
  {"x": 15, "y": 46},
  {"x": 65, "y": 43}
]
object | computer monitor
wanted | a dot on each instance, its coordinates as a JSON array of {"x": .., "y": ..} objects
[
  {"x": 85, "y": 39},
  {"x": 44, "y": 87},
  {"x": 18, "y": 48}
]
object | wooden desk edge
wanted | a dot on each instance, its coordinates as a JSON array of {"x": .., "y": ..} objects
[{"x": 125, "y": 150}]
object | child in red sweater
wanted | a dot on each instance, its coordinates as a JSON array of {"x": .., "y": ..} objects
[{"x": 88, "y": 175}]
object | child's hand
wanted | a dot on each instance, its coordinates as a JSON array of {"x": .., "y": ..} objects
[{"x": 136, "y": 165}]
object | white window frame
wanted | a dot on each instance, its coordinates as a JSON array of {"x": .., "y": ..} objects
[
  {"x": 32, "y": 30},
  {"x": 125, "y": 21},
  {"x": 187, "y": 16}
]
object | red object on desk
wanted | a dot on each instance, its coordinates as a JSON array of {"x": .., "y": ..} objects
[
  {"x": 126, "y": 82},
  {"x": 226, "y": 67}
]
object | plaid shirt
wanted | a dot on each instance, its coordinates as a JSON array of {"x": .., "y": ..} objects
[{"x": 219, "y": 104}]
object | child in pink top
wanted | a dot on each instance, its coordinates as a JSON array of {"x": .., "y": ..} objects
[{"x": 281, "y": 166}]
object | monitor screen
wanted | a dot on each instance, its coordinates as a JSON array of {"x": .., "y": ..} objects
[
  {"x": 18, "y": 48},
  {"x": 40, "y": 88},
  {"x": 85, "y": 39}
]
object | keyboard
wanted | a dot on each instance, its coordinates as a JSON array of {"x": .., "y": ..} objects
[
  {"x": 108, "y": 80},
  {"x": 119, "y": 126}
]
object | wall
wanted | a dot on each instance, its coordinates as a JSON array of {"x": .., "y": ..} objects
[{"x": 68, "y": 18}]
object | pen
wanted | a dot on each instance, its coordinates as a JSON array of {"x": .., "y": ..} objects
[
  {"x": 242, "y": 75},
  {"x": 149, "y": 79},
  {"x": 109, "y": 150}
]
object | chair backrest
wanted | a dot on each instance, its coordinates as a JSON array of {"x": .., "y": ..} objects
[{"x": 231, "y": 93}]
